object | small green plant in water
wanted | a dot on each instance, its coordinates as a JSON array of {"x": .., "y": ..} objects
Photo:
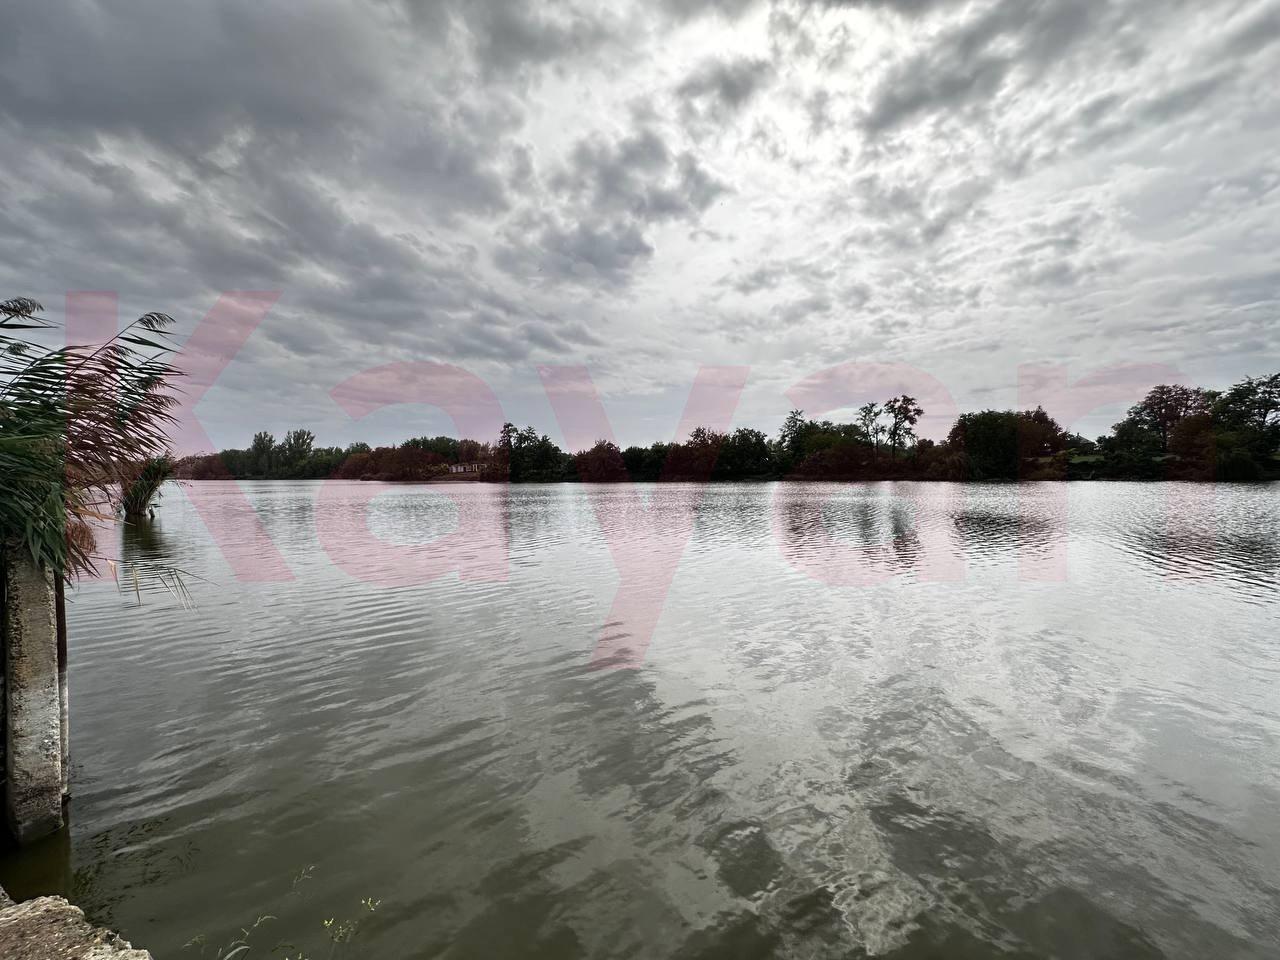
[
  {"x": 237, "y": 947},
  {"x": 302, "y": 876},
  {"x": 339, "y": 933}
]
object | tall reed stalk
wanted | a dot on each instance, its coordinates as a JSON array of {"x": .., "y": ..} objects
[{"x": 69, "y": 416}]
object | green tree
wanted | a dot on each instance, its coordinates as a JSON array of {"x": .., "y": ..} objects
[
  {"x": 903, "y": 413},
  {"x": 526, "y": 456},
  {"x": 646, "y": 464},
  {"x": 446, "y": 448},
  {"x": 1247, "y": 424},
  {"x": 791, "y": 437},
  {"x": 1165, "y": 406},
  {"x": 260, "y": 453},
  {"x": 603, "y": 463},
  {"x": 1039, "y": 435},
  {"x": 296, "y": 448},
  {"x": 1253, "y": 402},
  {"x": 869, "y": 423},
  {"x": 997, "y": 443},
  {"x": 744, "y": 454},
  {"x": 696, "y": 458}
]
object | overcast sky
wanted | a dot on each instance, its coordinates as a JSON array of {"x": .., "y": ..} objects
[{"x": 645, "y": 188}]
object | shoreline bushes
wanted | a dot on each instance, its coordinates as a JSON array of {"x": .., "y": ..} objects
[{"x": 1174, "y": 433}]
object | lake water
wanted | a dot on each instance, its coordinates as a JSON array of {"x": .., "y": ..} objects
[{"x": 901, "y": 720}]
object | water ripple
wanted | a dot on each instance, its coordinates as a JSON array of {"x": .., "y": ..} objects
[{"x": 899, "y": 720}]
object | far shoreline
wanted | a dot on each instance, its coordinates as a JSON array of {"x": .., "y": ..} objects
[{"x": 995, "y": 481}]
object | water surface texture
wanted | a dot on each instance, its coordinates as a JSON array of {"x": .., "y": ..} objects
[{"x": 910, "y": 721}]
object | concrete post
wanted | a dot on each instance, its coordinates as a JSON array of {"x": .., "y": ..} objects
[
  {"x": 33, "y": 725},
  {"x": 64, "y": 710}
]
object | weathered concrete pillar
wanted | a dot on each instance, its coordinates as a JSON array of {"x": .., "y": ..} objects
[
  {"x": 33, "y": 725},
  {"x": 64, "y": 708}
]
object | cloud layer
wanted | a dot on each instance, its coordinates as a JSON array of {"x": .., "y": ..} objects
[{"x": 789, "y": 185}]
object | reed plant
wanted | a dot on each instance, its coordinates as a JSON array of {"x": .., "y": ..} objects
[
  {"x": 140, "y": 484},
  {"x": 69, "y": 416}
]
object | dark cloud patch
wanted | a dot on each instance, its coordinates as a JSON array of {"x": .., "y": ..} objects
[
  {"x": 508, "y": 35},
  {"x": 908, "y": 8},
  {"x": 683, "y": 10},
  {"x": 971, "y": 63},
  {"x": 100, "y": 215},
  {"x": 608, "y": 194},
  {"x": 1182, "y": 99},
  {"x": 520, "y": 172},
  {"x": 912, "y": 212},
  {"x": 557, "y": 338},
  {"x": 1113, "y": 118},
  {"x": 185, "y": 75},
  {"x": 764, "y": 277},
  {"x": 718, "y": 90},
  {"x": 637, "y": 175},
  {"x": 485, "y": 336},
  {"x": 818, "y": 108},
  {"x": 699, "y": 187},
  {"x": 1049, "y": 272},
  {"x": 774, "y": 274},
  {"x": 918, "y": 88},
  {"x": 506, "y": 38},
  {"x": 630, "y": 175},
  {"x": 212, "y": 88},
  {"x": 583, "y": 253},
  {"x": 442, "y": 161},
  {"x": 540, "y": 335},
  {"x": 804, "y": 309},
  {"x": 1258, "y": 31}
]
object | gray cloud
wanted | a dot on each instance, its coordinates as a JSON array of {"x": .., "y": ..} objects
[
  {"x": 609, "y": 193},
  {"x": 584, "y": 253},
  {"x": 971, "y": 62},
  {"x": 910, "y": 8},
  {"x": 717, "y": 90},
  {"x": 182, "y": 75},
  {"x": 1259, "y": 30},
  {"x": 504, "y": 39},
  {"x": 682, "y": 10}
]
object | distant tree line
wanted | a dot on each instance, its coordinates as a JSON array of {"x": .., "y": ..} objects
[{"x": 1175, "y": 433}]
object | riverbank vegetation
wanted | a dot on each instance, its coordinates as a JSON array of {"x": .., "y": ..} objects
[
  {"x": 82, "y": 432},
  {"x": 1174, "y": 433}
]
